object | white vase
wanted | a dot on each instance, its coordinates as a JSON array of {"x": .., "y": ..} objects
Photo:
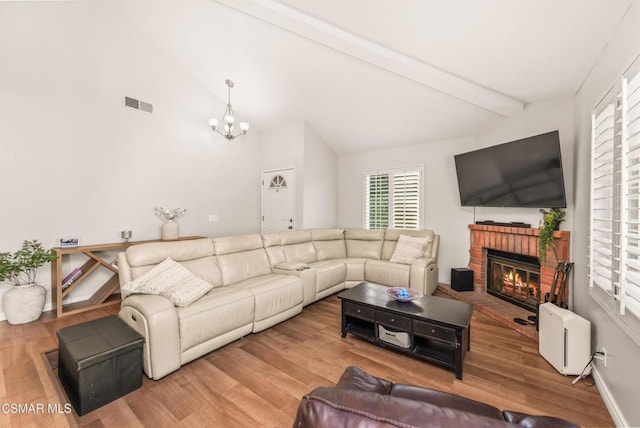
[
  {"x": 24, "y": 303},
  {"x": 170, "y": 230}
]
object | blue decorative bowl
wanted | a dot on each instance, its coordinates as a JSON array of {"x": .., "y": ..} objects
[{"x": 404, "y": 294}]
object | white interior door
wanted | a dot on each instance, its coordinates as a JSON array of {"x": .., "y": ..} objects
[{"x": 278, "y": 200}]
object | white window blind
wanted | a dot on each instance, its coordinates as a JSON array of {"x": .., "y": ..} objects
[
  {"x": 406, "y": 200},
  {"x": 602, "y": 267},
  {"x": 630, "y": 208},
  {"x": 393, "y": 198},
  {"x": 614, "y": 262}
]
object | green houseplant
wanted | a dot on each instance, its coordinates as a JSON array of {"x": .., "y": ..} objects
[
  {"x": 24, "y": 302},
  {"x": 550, "y": 222}
]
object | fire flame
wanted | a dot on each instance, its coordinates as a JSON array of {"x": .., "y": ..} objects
[{"x": 511, "y": 280}]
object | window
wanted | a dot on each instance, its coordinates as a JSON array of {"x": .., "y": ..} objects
[
  {"x": 604, "y": 264},
  {"x": 614, "y": 261},
  {"x": 630, "y": 207},
  {"x": 392, "y": 198},
  {"x": 278, "y": 182},
  {"x": 377, "y": 201}
]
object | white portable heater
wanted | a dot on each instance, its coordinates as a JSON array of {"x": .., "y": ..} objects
[{"x": 564, "y": 339}]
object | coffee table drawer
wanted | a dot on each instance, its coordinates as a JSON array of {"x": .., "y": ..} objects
[
  {"x": 432, "y": 330},
  {"x": 360, "y": 311},
  {"x": 392, "y": 320}
]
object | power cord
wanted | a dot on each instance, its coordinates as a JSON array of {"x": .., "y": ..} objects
[
  {"x": 583, "y": 376},
  {"x": 471, "y": 238}
]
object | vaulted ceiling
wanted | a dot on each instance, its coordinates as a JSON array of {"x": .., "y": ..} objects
[{"x": 369, "y": 74}]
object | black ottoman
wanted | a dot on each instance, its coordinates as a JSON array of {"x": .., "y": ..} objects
[{"x": 99, "y": 361}]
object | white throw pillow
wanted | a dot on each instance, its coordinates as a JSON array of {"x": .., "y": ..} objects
[
  {"x": 172, "y": 280},
  {"x": 408, "y": 249},
  {"x": 187, "y": 292}
]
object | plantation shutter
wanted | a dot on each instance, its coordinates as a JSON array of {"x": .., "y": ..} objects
[
  {"x": 392, "y": 198},
  {"x": 603, "y": 254},
  {"x": 630, "y": 206},
  {"x": 406, "y": 200},
  {"x": 377, "y": 201}
]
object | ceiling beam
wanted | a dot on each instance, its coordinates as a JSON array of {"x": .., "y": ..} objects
[{"x": 377, "y": 55}]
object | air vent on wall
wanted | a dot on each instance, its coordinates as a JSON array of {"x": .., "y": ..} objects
[{"x": 138, "y": 105}]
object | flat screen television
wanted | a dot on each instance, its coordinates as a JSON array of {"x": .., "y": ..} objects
[{"x": 521, "y": 173}]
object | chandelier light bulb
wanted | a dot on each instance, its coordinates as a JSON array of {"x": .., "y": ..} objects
[{"x": 228, "y": 120}]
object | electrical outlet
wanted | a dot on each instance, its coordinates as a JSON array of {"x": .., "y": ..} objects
[
  {"x": 602, "y": 356},
  {"x": 213, "y": 218}
]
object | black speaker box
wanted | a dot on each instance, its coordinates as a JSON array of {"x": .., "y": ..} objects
[{"x": 461, "y": 279}]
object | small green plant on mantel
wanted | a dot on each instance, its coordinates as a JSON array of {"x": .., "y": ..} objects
[
  {"x": 21, "y": 267},
  {"x": 550, "y": 222}
]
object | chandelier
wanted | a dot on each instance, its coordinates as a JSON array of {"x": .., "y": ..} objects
[{"x": 229, "y": 120}]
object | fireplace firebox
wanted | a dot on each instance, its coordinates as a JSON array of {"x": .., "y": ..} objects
[{"x": 514, "y": 278}]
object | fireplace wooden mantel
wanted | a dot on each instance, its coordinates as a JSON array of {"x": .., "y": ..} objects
[{"x": 517, "y": 240}]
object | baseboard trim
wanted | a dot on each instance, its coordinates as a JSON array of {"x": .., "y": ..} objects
[
  {"x": 48, "y": 306},
  {"x": 608, "y": 399}
]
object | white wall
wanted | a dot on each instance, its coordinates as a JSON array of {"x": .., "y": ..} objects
[
  {"x": 75, "y": 162},
  {"x": 442, "y": 210},
  {"x": 284, "y": 148},
  {"x": 296, "y": 145},
  {"x": 620, "y": 380},
  {"x": 320, "y": 182}
]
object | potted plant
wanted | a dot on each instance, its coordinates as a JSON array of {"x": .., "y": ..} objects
[
  {"x": 169, "y": 230},
  {"x": 550, "y": 222},
  {"x": 24, "y": 302}
]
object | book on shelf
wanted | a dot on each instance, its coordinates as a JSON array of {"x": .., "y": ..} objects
[
  {"x": 68, "y": 280},
  {"x": 68, "y": 277}
]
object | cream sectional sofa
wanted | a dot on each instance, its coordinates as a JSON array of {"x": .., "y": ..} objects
[{"x": 258, "y": 281}]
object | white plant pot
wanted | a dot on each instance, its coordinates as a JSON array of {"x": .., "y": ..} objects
[
  {"x": 170, "y": 231},
  {"x": 24, "y": 303}
]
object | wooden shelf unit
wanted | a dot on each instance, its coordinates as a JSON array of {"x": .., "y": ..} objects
[{"x": 104, "y": 295}]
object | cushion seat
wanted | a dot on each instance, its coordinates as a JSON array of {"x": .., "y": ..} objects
[
  {"x": 274, "y": 294},
  {"x": 389, "y": 273},
  {"x": 329, "y": 273},
  {"x": 221, "y": 310},
  {"x": 355, "y": 268}
]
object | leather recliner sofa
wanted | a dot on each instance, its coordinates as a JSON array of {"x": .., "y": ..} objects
[
  {"x": 259, "y": 281},
  {"x": 360, "y": 399}
]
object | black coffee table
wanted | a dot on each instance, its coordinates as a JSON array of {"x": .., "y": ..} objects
[{"x": 432, "y": 328}]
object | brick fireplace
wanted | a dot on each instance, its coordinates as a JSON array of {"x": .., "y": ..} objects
[{"x": 514, "y": 240}]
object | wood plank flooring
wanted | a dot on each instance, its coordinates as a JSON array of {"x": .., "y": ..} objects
[
  {"x": 496, "y": 308},
  {"x": 258, "y": 381}
]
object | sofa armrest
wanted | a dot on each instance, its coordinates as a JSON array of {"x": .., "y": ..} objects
[
  {"x": 532, "y": 421},
  {"x": 291, "y": 266},
  {"x": 423, "y": 275},
  {"x": 445, "y": 399},
  {"x": 308, "y": 279},
  {"x": 124, "y": 269},
  {"x": 155, "y": 318}
]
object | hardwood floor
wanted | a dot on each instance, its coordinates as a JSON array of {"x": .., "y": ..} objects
[{"x": 259, "y": 380}]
